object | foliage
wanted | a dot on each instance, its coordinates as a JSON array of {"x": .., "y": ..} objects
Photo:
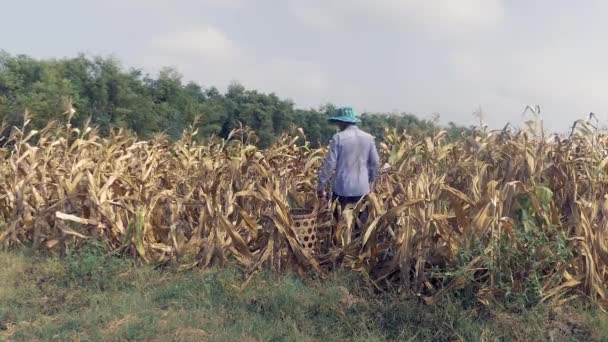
[
  {"x": 501, "y": 215},
  {"x": 111, "y": 97}
]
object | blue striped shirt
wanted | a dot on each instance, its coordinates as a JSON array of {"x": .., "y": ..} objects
[{"x": 353, "y": 161}]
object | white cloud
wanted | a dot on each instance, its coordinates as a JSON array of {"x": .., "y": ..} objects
[
  {"x": 436, "y": 17},
  {"x": 207, "y": 42},
  {"x": 225, "y": 3},
  {"x": 175, "y": 4},
  {"x": 464, "y": 54},
  {"x": 289, "y": 78},
  {"x": 315, "y": 15},
  {"x": 559, "y": 78},
  {"x": 207, "y": 55}
]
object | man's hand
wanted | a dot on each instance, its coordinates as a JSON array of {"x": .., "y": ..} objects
[{"x": 322, "y": 198}]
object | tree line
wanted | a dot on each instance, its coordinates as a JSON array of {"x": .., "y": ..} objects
[{"x": 101, "y": 90}]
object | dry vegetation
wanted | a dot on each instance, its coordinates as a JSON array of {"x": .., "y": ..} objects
[{"x": 497, "y": 215}]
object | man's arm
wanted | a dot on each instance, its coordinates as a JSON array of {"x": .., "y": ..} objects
[
  {"x": 329, "y": 165},
  {"x": 372, "y": 162}
]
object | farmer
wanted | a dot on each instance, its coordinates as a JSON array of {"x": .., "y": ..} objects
[{"x": 352, "y": 159}]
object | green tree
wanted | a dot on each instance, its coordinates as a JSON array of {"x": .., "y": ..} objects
[{"x": 112, "y": 97}]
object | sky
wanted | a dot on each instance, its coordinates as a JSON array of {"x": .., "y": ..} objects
[{"x": 425, "y": 57}]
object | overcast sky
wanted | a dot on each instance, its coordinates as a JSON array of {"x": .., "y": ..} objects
[{"x": 420, "y": 56}]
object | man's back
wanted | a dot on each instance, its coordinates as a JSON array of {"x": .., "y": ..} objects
[{"x": 354, "y": 158}]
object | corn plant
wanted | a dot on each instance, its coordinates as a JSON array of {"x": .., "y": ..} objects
[{"x": 498, "y": 213}]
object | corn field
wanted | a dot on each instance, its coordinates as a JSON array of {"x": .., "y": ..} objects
[{"x": 497, "y": 214}]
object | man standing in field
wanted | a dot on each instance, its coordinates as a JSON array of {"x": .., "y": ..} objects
[{"x": 352, "y": 159}]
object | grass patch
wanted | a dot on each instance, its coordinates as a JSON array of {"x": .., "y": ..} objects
[{"x": 88, "y": 296}]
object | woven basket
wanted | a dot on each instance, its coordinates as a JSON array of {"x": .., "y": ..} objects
[{"x": 305, "y": 226}]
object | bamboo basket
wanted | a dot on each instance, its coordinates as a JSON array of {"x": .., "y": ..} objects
[{"x": 305, "y": 226}]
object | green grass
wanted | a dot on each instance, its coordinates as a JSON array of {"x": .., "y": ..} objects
[{"x": 90, "y": 297}]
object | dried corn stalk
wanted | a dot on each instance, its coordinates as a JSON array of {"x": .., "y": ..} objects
[{"x": 224, "y": 201}]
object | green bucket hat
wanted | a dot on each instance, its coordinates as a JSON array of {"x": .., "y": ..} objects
[{"x": 345, "y": 114}]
